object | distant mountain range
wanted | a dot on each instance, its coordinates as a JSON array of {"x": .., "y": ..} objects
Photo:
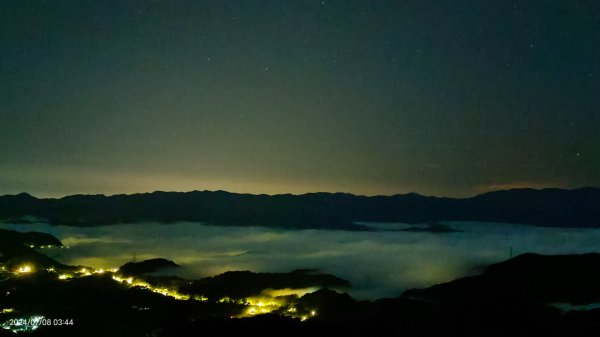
[{"x": 545, "y": 207}]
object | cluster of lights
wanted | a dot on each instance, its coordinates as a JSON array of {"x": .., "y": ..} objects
[
  {"x": 85, "y": 272},
  {"x": 159, "y": 290},
  {"x": 260, "y": 305},
  {"x": 312, "y": 314},
  {"x": 266, "y": 303},
  {"x": 28, "y": 269},
  {"x": 229, "y": 300},
  {"x": 46, "y": 246},
  {"x": 200, "y": 298}
]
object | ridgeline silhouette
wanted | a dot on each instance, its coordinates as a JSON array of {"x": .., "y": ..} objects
[{"x": 546, "y": 207}]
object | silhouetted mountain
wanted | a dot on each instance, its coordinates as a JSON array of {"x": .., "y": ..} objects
[
  {"x": 330, "y": 304},
  {"x": 146, "y": 266},
  {"x": 16, "y": 249},
  {"x": 514, "y": 298},
  {"x": 35, "y": 239},
  {"x": 547, "y": 207},
  {"x": 539, "y": 278},
  {"x": 241, "y": 284}
]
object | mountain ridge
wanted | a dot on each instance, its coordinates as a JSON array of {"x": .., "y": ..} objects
[{"x": 552, "y": 207}]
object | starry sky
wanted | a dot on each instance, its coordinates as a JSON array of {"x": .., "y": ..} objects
[{"x": 447, "y": 97}]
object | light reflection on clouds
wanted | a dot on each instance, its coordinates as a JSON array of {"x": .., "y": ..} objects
[{"x": 378, "y": 264}]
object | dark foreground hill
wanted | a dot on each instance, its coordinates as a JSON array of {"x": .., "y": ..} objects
[
  {"x": 146, "y": 267},
  {"x": 547, "y": 207},
  {"x": 17, "y": 249},
  {"x": 541, "y": 278}
]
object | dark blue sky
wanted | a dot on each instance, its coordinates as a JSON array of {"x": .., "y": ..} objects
[{"x": 372, "y": 97}]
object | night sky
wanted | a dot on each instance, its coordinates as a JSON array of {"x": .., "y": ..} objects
[{"x": 443, "y": 97}]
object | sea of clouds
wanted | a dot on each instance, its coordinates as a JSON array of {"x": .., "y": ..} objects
[{"x": 377, "y": 263}]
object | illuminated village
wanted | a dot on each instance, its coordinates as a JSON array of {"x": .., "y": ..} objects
[{"x": 269, "y": 301}]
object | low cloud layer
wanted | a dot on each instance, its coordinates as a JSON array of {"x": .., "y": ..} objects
[{"x": 378, "y": 264}]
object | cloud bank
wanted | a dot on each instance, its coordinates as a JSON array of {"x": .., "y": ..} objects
[{"x": 378, "y": 264}]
